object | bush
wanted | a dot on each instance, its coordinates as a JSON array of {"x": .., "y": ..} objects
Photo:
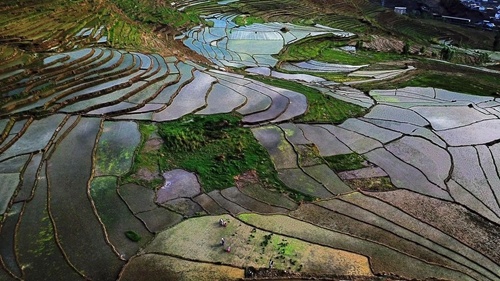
[
  {"x": 483, "y": 58},
  {"x": 132, "y": 235}
]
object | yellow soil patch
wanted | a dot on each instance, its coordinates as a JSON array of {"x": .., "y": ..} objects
[
  {"x": 157, "y": 267},
  {"x": 199, "y": 239}
]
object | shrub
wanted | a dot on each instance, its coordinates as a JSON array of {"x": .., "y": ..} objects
[{"x": 132, "y": 235}]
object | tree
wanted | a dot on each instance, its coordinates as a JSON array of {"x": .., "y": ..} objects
[
  {"x": 496, "y": 43},
  {"x": 406, "y": 49},
  {"x": 359, "y": 45},
  {"x": 447, "y": 53}
]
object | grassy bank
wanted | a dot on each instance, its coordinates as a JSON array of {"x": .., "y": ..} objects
[
  {"x": 326, "y": 50},
  {"x": 445, "y": 76},
  {"x": 322, "y": 108}
]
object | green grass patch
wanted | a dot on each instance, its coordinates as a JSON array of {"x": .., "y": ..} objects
[
  {"x": 326, "y": 50},
  {"x": 345, "y": 162},
  {"x": 217, "y": 148},
  {"x": 247, "y": 20},
  {"x": 144, "y": 159},
  {"x": 322, "y": 108}
]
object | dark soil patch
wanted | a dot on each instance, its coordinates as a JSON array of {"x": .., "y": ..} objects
[
  {"x": 371, "y": 184},
  {"x": 152, "y": 145},
  {"x": 252, "y": 273},
  {"x": 147, "y": 175}
]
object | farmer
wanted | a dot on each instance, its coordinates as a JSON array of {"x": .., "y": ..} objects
[
  {"x": 221, "y": 222},
  {"x": 271, "y": 263},
  {"x": 222, "y": 241}
]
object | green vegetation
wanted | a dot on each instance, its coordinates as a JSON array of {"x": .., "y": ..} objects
[
  {"x": 308, "y": 155},
  {"x": 132, "y": 235},
  {"x": 447, "y": 53},
  {"x": 45, "y": 238},
  {"x": 326, "y": 50},
  {"x": 217, "y": 148},
  {"x": 345, "y": 162},
  {"x": 266, "y": 240},
  {"x": 482, "y": 85},
  {"x": 443, "y": 75},
  {"x": 247, "y": 20},
  {"x": 154, "y": 12},
  {"x": 102, "y": 188},
  {"x": 144, "y": 159},
  {"x": 322, "y": 108},
  {"x": 123, "y": 34}
]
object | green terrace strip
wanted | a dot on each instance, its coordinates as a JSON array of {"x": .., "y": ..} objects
[
  {"x": 345, "y": 162},
  {"x": 326, "y": 50},
  {"x": 123, "y": 34},
  {"x": 157, "y": 12},
  {"x": 480, "y": 84},
  {"x": 322, "y": 108},
  {"x": 247, "y": 20},
  {"x": 145, "y": 159},
  {"x": 444, "y": 76}
]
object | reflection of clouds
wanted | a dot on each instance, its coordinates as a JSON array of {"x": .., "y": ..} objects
[
  {"x": 448, "y": 117},
  {"x": 166, "y": 185}
]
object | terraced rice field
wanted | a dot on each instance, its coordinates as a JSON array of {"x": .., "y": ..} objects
[
  {"x": 410, "y": 190},
  {"x": 227, "y": 44}
]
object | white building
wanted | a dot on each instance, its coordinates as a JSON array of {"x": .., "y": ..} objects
[{"x": 400, "y": 10}]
